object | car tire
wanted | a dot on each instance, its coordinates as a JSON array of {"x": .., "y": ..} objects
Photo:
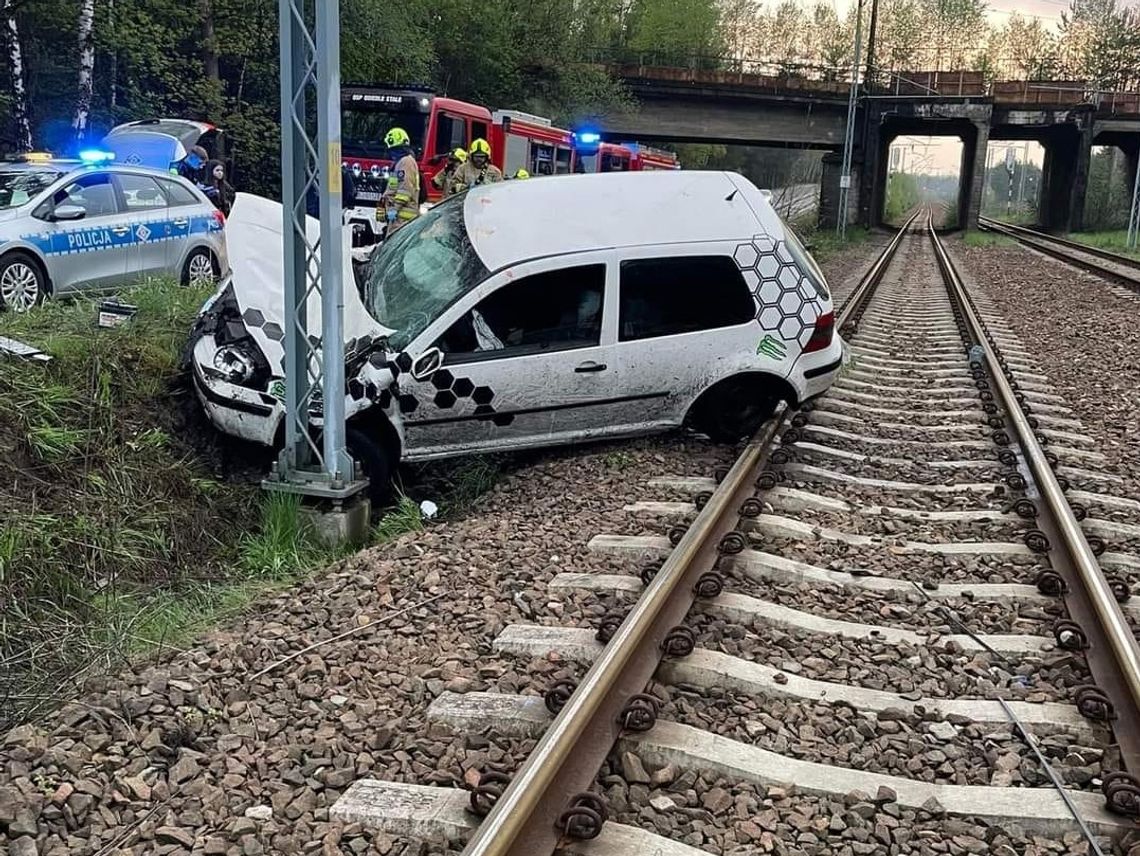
[
  {"x": 376, "y": 463},
  {"x": 23, "y": 283},
  {"x": 193, "y": 269},
  {"x": 732, "y": 410}
]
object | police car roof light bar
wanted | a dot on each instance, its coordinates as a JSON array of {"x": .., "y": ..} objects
[{"x": 93, "y": 157}]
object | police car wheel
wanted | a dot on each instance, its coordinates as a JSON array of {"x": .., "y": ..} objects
[
  {"x": 199, "y": 268},
  {"x": 22, "y": 283}
]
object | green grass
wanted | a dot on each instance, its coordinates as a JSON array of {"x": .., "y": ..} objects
[
  {"x": 1115, "y": 241},
  {"x": 824, "y": 243},
  {"x": 978, "y": 238},
  {"x": 119, "y": 532}
]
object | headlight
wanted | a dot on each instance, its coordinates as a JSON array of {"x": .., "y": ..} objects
[{"x": 234, "y": 363}]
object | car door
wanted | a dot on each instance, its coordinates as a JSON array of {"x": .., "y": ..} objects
[
  {"x": 90, "y": 252},
  {"x": 183, "y": 206},
  {"x": 145, "y": 208},
  {"x": 686, "y": 317},
  {"x": 526, "y": 362}
]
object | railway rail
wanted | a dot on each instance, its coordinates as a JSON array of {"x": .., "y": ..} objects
[
  {"x": 1114, "y": 267},
  {"x": 994, "y": 513}
]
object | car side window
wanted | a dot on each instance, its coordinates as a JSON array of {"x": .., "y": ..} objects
[
  {"x": 141, "y": 193},
  {"x": 93, "y": 193},
  {"x": 178, "y": 194},
  {"x": 556, "y": 310},
  {"x": 681, "y": 294}
]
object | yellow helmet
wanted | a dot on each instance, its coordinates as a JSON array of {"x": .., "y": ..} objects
[
  {"x": 521, "y": 173},
  {"x": 397, "y": 137},
  {"x": 480, "y": 147},
  {"x": 460, "y": 155}
]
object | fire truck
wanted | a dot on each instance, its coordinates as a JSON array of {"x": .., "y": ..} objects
[
  {"x": 438, "y": 125},
  {"x": 594, "y": 155}
]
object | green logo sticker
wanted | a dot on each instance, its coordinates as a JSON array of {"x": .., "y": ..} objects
[
  {"x": 277, "y": 389},
  {"x": 772, "y": 347}
]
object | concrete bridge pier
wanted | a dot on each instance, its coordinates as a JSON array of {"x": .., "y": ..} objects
[
  {"x": 829, "y": 191},
  {"x": 972, "y": 177},
  {"x": 1065, "y": 178}
]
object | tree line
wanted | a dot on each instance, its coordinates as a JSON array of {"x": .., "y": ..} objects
[{"x": 74, "y": 68}]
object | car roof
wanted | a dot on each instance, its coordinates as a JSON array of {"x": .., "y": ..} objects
[{"x": 512, "y": 221}]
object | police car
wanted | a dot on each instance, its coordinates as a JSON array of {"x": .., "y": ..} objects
[
  {"x": 535, "y": 313},
  {"x": 72, "y": 225}
]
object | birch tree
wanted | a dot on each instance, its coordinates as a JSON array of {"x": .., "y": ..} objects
[
  {"x": 86, "y": 68},
  {"x": 23, "y": 127}
]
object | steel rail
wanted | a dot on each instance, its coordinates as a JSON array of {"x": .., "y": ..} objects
[
  {"x": 565, "y": 761},
  {"x": 1058, "y": 248},
  {"x": 862, "y": 292},
  {"x": 1105, "y": 627}
]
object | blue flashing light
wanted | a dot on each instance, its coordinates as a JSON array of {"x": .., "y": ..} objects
[
  {"x": 588, "y": 137},
  {"x": 94, "y": 157}
]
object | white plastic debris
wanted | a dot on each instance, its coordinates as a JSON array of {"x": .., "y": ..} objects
[{"x": 428, "y": 509}]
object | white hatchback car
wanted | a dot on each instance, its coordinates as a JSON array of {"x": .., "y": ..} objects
[{"x": 534, "y": 313}]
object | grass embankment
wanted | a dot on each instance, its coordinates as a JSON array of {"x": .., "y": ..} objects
[
  {"x": 823, "y": 243},
  {"x": 1115, "y": 241},
  {"x": 123, "y": 524}
]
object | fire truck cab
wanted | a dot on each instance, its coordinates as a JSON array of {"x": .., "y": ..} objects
[
  {"x": 591, "y": 155},
  {"x": 436, "y": 125},
  {"x": 646, "y": 158},
  {"x": 524, "y": 141}
]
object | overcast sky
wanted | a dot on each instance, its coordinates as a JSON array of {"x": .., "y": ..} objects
[{"x": 1049, "y": 11}]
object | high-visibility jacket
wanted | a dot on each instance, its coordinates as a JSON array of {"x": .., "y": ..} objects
[
  {"x": 447, "y": 180},
  {"x": 468, "y": 175},
  {"x": 403, "y": 192}
]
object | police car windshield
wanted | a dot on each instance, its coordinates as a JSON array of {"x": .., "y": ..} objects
[
  {"x": 363, "y": 130},
  {"x": 18, "y": 187},
  {"x": 421, "y": 270}
]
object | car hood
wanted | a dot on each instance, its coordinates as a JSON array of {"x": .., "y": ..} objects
[{"x": 256, "y": 251}]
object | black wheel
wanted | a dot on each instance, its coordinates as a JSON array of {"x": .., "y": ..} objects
[
  {"x": 375, "y": 461},
  {"x": 200, "y": 268},
  {"x": 23, "y": 284},
  {"x": 732, "y": 410}
]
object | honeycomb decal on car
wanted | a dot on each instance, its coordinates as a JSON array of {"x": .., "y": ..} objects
[
  {"x": 443, "y": 388},
  {"x": 787, "y": 301}
]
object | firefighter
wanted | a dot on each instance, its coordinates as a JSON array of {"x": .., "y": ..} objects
[
  {"x": 520, "y": 174},
  {"x": 478, "y": 169},
  {"x": 400, "y": 203},
  {"x": 445, "y": 179}
]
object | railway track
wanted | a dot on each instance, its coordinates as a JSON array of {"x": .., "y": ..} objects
[
  {"x": 1114, "y": 267},
  {"x": 898, "y": 623}
]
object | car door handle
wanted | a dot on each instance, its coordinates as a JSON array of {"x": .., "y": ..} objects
[
  {"x": 121, "y": 230},
  {"x": 590, "y": 366},
  {"x": 181, "y": 221}
]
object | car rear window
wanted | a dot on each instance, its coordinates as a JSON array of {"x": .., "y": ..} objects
[{"x": 681, "y": 294}]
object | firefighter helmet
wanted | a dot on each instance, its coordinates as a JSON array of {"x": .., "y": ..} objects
[
  {"x": 397, "y": 137},
  {"x": 459, "y": 155},
  {"x": 480, "y": 147},
  {"x": 521, "y": 173}
]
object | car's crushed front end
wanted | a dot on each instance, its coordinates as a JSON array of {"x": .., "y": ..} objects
[{"x": 236, "y": 349}]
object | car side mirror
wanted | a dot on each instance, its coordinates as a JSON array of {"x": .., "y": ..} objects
[
  {"x": 427, "y": 364},
  {"x": 68, "y": 212}
]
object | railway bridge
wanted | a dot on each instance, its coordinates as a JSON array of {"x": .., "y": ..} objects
[{"x": 738, "y": 105}]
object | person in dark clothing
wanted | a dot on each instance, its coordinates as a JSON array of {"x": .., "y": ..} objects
[
  {"x": 192, "y": 166},
  {"x": 347, "y": 194},
  {"x": 220, "y": 191}
]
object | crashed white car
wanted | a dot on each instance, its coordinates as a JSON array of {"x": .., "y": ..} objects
[{"x": 533, "y": 313}]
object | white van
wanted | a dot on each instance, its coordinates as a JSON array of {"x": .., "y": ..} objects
[{"x": 535, "y": 313}]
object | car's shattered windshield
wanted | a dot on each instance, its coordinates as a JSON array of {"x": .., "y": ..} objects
[{"x": 423, "y": 269}]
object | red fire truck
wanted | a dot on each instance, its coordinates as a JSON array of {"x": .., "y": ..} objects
[
  {"x": 523, "y": 141},
  {"x": 646, "y": 158},
  {"x": 593, "y": 155}
]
